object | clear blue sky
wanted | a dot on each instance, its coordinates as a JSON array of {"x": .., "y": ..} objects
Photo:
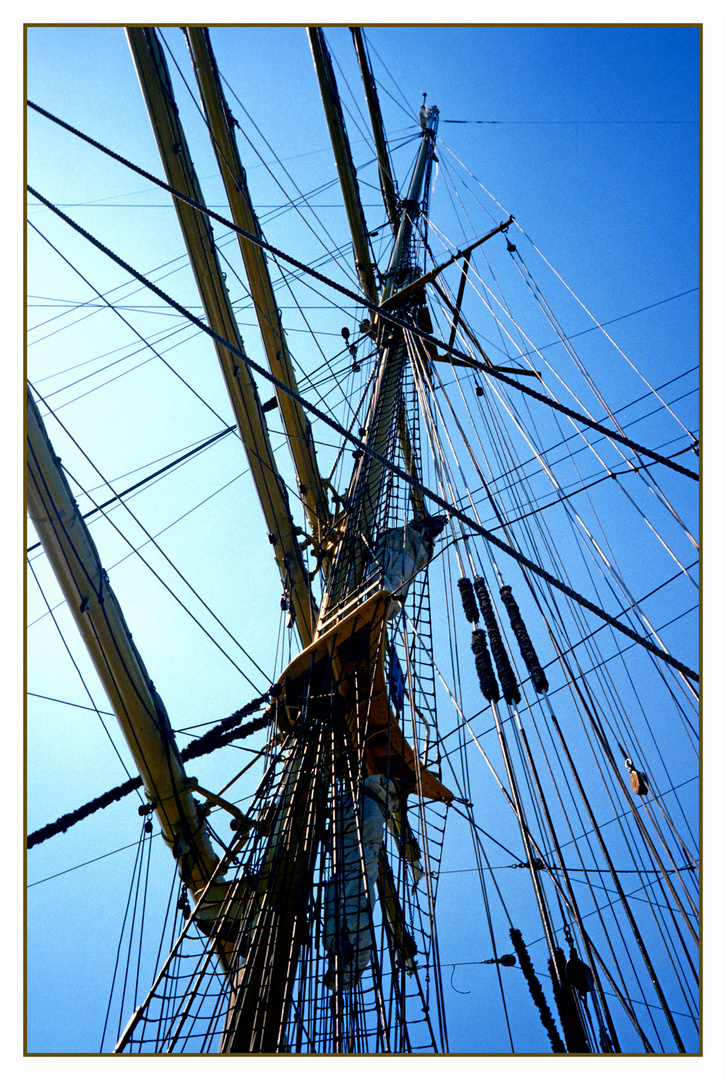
[{"x": 588, "y": 135}]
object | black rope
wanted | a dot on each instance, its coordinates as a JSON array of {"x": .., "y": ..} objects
[
  {"x": 224, "y": 732},
  {"x": 395, "y": 469},
  {"x": 383, "y": 313},
  {"x": 64, "y": 822},
  {"x": 539, "y": 679},
  {"x": 227, "y": 731},
  {"x": 535, "y": 989},
  {"x": 468, "y": 600},
  {"x": 510, "y": 690},
  {"x": 484, "y": 669},
  {"x": 152, "y": 476}
]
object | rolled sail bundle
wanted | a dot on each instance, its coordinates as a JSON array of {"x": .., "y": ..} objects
[
  {"x": 403, "y": 552},
  {"x": 350, "y": 893}
]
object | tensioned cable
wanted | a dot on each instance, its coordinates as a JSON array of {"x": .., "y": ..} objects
[
  {"x": 73, "y": 704},
  {"x": 127, "y": 323},
  {"x": 120, "y": 495},
  {"x": 600, "y": 327},
  {"x": 544, "y": 306},
  {"x": 583, "y": 418},
  {"x": 173, "y": 566},
  {"x": 569, "y": 122},
  {"x": 613, "y": 569},
  {"x": 382, "y": 312},
  {"x": 382, "y": 460},
  {"x": 92, "y": 707},
  {"x": 502, "y": 523},
  {"x": 135, "y": 550},
  {"x": 291, "y": 202},
  {"x": 142, "y": 846},
  {"x": 507, "y": 473}
]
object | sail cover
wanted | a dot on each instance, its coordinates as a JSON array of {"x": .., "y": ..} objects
[
  {"x": 402, "y": 553},
  {"x": 350, "y": 894}
]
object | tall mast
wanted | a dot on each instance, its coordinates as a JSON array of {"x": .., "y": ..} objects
[
  {"x": 158, "y": 93},
  {"x": 325, "y": 695},
  {"x": 365, "y": 488},
  {"x": 297, "y": 426}
]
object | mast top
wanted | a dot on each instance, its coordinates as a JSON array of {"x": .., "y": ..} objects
[{"x": 425, "y": 114}]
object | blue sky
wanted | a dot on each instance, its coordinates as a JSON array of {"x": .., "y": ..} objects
[{"x": 588, "y": 135}]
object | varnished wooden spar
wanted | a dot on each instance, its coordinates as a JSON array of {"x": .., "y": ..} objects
[
  {"x": 344, "y": 163},
  {"x": 385, "y": 172},
  {"x": 297, "y": 426},
  {"x": 140, "y": 712},
  {"x": 164, "y": 115}
]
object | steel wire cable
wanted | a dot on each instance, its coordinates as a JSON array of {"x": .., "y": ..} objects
[
  {"x": 651, "y": 484},
  {"x": 457, "y": 423},
  {"x": 598, "y": 325},
  {"x": 385, "y": 314},
  {"x": 176, "y": 569}
]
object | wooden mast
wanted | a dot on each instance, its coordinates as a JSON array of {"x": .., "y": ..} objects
[{"x": 329, "y": 688}]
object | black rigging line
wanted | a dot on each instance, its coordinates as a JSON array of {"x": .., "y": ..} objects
[
  {"x": 499, "y": 487},
  {"x": 117, "y": 496},
  {"x": 73, "y": 704},
  {"x": 575, "y": 122},
  {"x": 384, "y": 314},
  {"x": 565, "y": 495},
  {"x": 390, "y": 466},
  {"x": 609, "y": 322}
]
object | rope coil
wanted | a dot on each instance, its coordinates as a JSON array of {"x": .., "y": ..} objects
[
  {"x": 510, "y": 691},
  {"x": 539, "y": 679},
  {"x": 484, "y": 669},
  {"x": 468, "y": 600}
]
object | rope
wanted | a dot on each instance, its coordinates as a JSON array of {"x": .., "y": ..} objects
[
  {"x": 508, "y": 682},
  {"x": 539, "y": 679},
  {"x": 117, "y": 496},
  {"x": 222, "y": 733},
  {"x": 484, "y": 669},
  {"x": 396, "y": 470},
  {"x": 359, "y": 300},
  {"x": 535, "y": 989},
  {"x": 468, "y": 600}
]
